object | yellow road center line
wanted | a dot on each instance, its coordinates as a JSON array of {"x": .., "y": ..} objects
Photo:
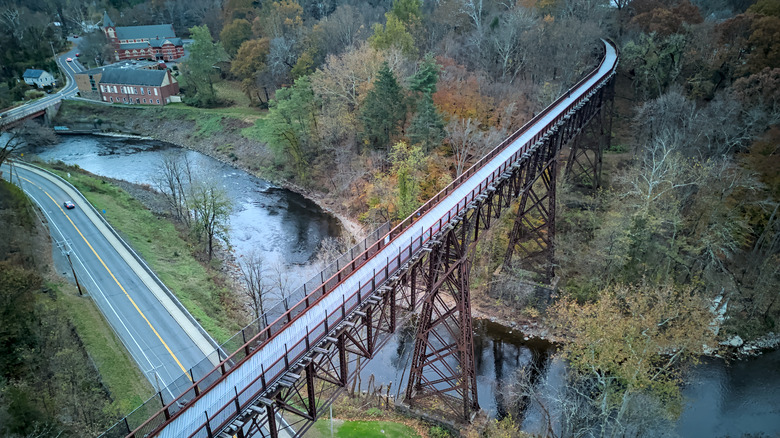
[{"x": 115, "y": 279}]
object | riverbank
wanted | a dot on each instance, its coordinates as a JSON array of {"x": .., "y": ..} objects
[{"x": 221, "y": 137}]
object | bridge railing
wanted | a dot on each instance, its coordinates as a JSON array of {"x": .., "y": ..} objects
[
  {"x": 204, "y": 373},
  {"x": 238, "y": 400}
]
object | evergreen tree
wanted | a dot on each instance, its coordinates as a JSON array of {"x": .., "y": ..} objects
[
  {"x": 424, "y": 81},
  {"x": 384, "y": 110},
  {"x": 427, "y": 128}
]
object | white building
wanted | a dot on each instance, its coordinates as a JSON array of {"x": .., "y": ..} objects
[{"x": 39, "y": 78}]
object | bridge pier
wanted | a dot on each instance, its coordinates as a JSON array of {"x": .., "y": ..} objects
[
  {"x": 444, "y": 331},
  {"x": 583, "y": 166},
  {"x": 315, "y": 348}
]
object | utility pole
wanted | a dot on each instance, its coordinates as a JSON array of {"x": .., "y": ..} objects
[{"x": 67, "y": 254}]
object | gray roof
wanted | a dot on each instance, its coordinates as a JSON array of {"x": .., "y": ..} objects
[
  {"x": 131, "y": 46},
  {"x": 129, "y": 76},
  {"x": 140, "y": 32},
  {"x": 159, "y": 43},
  {"x": 107, "y": 22},
  {"x": 138, "y": 65},
  {"x": 33, "y": 73}
]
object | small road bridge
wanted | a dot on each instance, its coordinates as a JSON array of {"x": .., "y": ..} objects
[{"x": 289, "y": 365}]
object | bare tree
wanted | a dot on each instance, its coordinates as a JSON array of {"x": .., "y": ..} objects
[
  {"x": 507, "y": 42},
  {"x": 9, "y": 142},
  {"x": 211, "y": 206},
  {"x": 280, "y": 278},
  {"x": 174, "y": 180},
  {"x": 468, "y": 142},
  {"x": 254, "y": 274}
]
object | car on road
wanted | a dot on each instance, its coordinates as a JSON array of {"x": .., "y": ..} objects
[
  {"x": 78, "y": 54},
  {"x": 69, "y": 59},
  {"x": 69, "y": 205}
]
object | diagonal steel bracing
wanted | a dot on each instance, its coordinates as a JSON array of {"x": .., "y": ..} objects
[{"x": 283, "y": 393}]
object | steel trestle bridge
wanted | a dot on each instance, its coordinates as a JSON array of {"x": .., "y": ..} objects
[{"x": 288, "y": 371}]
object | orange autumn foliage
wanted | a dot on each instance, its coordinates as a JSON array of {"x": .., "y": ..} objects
[{"x": 459, "y": 93}]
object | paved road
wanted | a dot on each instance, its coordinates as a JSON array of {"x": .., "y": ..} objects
[
  {"x": 163, "y": 340},
  {"x": 69, "y": 69}
]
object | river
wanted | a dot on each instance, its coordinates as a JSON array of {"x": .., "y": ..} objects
[
  {"x": 283, "y": 226},
  {"x": 722, "y": 399}
]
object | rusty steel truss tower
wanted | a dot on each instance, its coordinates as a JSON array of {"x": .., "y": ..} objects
[
  {"x": 428, "y": 276},
  {"x": 443, "y": 359}
]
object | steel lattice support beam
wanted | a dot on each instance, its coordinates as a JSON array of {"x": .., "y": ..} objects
[
  {"x": 583, "y": 166},
  {"x": 533, "y": 232},
  {"x": 443, "y": 358},
  {"x": 302, "y": 395}
]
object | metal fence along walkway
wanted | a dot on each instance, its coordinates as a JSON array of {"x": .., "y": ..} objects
[{"x": 289, "y": 366}]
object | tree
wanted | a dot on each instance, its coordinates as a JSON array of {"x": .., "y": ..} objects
[
  {"x": 174, "y": 180},
  {"x": 339, "y": 31},
  {"x": 211, "y": 207},
  {"x": 234, "y": 34},
  {"x": 427, "y": 76},
  {"x": 468, "y": 143},
  {"x": 278, "y": 19},
  {"x": 764, "y": 43},
  {"x": 95, "y": 47},
  {"x": 9, "y": 142},
  {"x": 427, "y": 128},
  {"x": 383, "y": 110},
  {"x": 393, "y": 34},
  {"x": 291, "y": 126},
  {"x": 506, "y": 42},
  {"x": 249, "y": 62},
  {"x": 201, "y": 66},
  {"x": 254, "y": 274},
  {"x": 655, "y": 61},
  {"x": 630, "y": 341},
  {"x": 408, "y": 162}
]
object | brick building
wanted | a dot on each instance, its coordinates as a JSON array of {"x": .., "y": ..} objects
[
  {"x": 132, "y": 86},
  {"x": 158, "y": 42},
  {"x": 87, "y": 81}
]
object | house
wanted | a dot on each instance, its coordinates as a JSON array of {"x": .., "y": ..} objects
[
  {"x": 39, "y": 78},
  {"x": 87, "y": 81},
  {"x": 158, "y": 42},
  {"x": 127, "y": 85}
]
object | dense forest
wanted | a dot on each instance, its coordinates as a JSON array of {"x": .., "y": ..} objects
[{"x": 382, "y": 103}]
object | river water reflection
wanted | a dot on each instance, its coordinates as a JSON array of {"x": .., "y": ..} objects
[
  {"x": 722, "y": 399},
  {"x": 282, "y": 225}
]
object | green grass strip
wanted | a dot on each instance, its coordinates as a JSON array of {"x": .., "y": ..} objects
[
  {"x": 363, "y": 429},
  {"x": 159, "y": 243},
  {"x": 128, "y": 387}
]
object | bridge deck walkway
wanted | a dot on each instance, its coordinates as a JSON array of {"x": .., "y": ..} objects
[{"x": 288, "y": 345}]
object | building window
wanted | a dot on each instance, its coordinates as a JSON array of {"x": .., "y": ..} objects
[
  {"x": 158, "y": 100},
  {"x": 112, "y": 99},
  {"x": 144, "y": 99},
  {"x": 104, "y": 98},
  {"x": 148, "y": 91},
  {"x": 137, "y": 100},
  {"x": 142, "y": 91},
  {"x": 124, "y": 99},
  {"x": 155, "y": 92}
]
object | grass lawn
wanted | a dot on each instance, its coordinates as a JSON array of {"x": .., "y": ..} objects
[
  {"x": 361, "y": 429},
  {"x": 128, "y": 387},
  {"x": 158, "y": 242}
]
